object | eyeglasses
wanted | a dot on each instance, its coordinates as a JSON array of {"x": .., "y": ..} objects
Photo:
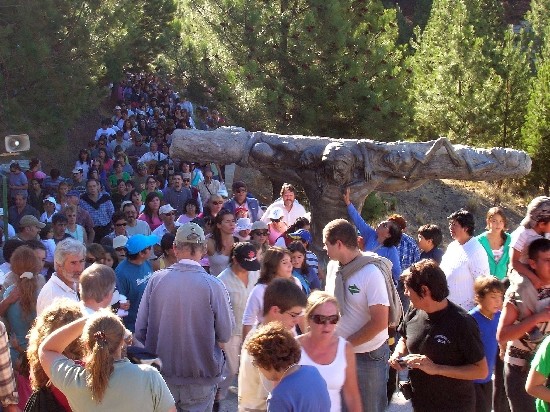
[
  {"x": 120, "y": 224},
  {"x": 276, "y": 220},
  {"x": 294, "y": 315},
  {"x": 220, "y": 202},
  {"x": 240, "y": 191},
  {"x": 261, "y": 232},
  {"x": 186, "y": 180},
  {"x": 170, "y": 213},
  {"x": 324, "y": 320}
]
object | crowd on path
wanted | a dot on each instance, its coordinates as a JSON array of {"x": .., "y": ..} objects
[{"x": 143, "y": 257}]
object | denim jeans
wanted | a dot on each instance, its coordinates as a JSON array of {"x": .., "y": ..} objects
[
  {"x": 193, "y": 397},
  {"x": 372, "y": 375},
  {"x": 514, "y": 382}
]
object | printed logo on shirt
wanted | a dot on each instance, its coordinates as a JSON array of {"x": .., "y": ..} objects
[
  {"x": 144, "y": 279},
  {"x": 353, "y": 289},
  {"x": 444, "y": 340}
]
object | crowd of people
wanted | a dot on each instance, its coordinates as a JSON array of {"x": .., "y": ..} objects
[{"x": 141, "y": 256}]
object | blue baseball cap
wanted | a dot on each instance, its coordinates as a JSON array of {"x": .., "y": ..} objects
[
  {"x": 139, "y": 242},
  {"x": 302, "y": 234}
]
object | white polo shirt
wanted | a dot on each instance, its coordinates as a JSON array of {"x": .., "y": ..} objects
[{"x": 52, "y": 290}]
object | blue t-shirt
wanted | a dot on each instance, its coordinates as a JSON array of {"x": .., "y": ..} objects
[
  {"x": 488, "y": 331},
  {"x": 434, "y": 254},
  {"x": 302, "y": 391},
  {"x": 131, "y": 280}
]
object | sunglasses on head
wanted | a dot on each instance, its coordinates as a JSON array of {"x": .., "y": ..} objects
[{"x": 323, "y": 320}]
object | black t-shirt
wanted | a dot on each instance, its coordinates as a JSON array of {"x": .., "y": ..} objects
[{"x": 448, "y": 337}]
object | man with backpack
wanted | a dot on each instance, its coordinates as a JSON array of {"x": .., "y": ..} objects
[{"x": 361, "y": 282}]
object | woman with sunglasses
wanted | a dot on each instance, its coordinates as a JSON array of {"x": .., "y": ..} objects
[
  {"x": 331, "y": 354},
  {"x": 213, "y": 207},
  {"x": 259, "y": 233},
  {"x": 276, "y": 226}
]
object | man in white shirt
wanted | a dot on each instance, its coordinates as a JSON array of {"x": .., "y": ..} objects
[
  {"x": 69, "y": 260},
  {"x": 292, "y": 209},
  {"x": 208, "y": 187},
  {"x": 361, "y": 291},
  {"x": 105, "y": 129},
  {"x": 169, "y": 225},
  {"x": 97, "y": 285},
  {"x": 152, "y": 154}
]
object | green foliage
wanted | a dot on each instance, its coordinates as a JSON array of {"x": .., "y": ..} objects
[
  {"x": 470, "y": 75},
  {"x": 536, "y": 131},
  {"x": 55, "y": 54},
  {"x": 374, "y": 208},
  {"x": 310, "y": 67}
]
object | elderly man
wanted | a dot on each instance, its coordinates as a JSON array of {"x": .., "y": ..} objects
[
  {"x": 134, "y": 226},
  {"x": 100, "y": 208},
  {"x": 194, "y": 307},
  {"x": 292, "y": 209},
  {"x": 178, "y": 194},
  {"x": 240, "y": 199},
  {"x": 208, "y": 186},
  {"x": 19, "y": 209},
  {"x": 439, "y": 342},
  {"x": 134, "y": 273},
  {"x": 169, "y": 225},
  {"x": 69, "y": 260}
]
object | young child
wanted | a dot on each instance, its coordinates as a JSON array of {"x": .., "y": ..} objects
[
  {"x": 242, "y": 229},
  {"x": 300, "y": 268},
  {"x": 489, "y": 293},
  {"x": 429, "y": 238},
  {"x": 535, "y": 225}
]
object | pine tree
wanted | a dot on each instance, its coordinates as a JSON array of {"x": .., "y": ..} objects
[
  {"x": 454, "y": 76},
  {"x": 536, "y": 132},
  {"x": 311, "y": 67}
]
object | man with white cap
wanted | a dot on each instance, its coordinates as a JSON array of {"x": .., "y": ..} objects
[
  {"x": 119, "y": 245},
  {"x": 133, "y": 273},
  {"x": 292, "y": 209},
  {"x": 184, "y": 317},
  {"x": 169, "y": 225},
  {"x": 77, "y": 182},
  {"x": 50, "y": 206}
]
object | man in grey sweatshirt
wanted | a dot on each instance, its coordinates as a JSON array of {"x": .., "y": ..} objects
[{"x": 183, "y": 317}]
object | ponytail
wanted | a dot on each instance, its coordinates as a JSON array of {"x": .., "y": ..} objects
[{"x": 103, "y": 336}]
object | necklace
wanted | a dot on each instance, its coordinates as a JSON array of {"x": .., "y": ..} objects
[{"x": 287, "y": 369}]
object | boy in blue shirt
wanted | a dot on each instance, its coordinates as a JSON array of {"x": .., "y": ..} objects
[{"x": 489, "y": 293}]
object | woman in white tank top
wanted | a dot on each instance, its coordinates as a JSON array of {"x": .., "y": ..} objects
[{"x": 332, "y": 355}]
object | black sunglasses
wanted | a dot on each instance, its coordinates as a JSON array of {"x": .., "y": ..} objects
[{"x": 323, "y": 320}]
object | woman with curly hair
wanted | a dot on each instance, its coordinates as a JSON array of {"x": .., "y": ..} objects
[
  {"x": 299, "y": 388},
  {"x": 61, "y": 312},
  {"x": 22, "y": 296},
  {"x": 108, "y": 381}
]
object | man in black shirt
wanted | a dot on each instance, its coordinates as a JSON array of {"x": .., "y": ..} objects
[{"x": 440, "y": 343}]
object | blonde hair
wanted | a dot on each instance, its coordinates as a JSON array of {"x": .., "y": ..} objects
[
  {"x": 318, "y": 298},
  {"x": 25, "y": 260},
  {"x": 102, "y": 337},
  {"x": 60, "y": 313}
]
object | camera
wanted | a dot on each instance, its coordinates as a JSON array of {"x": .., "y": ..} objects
[
  {"x": 17, "y": 143},
  {"x": 402, "y": 363}
]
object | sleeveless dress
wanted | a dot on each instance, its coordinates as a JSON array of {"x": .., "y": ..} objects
[
  {"x": 334, "y": 373},
  {"x": 218, "y": 262}
]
